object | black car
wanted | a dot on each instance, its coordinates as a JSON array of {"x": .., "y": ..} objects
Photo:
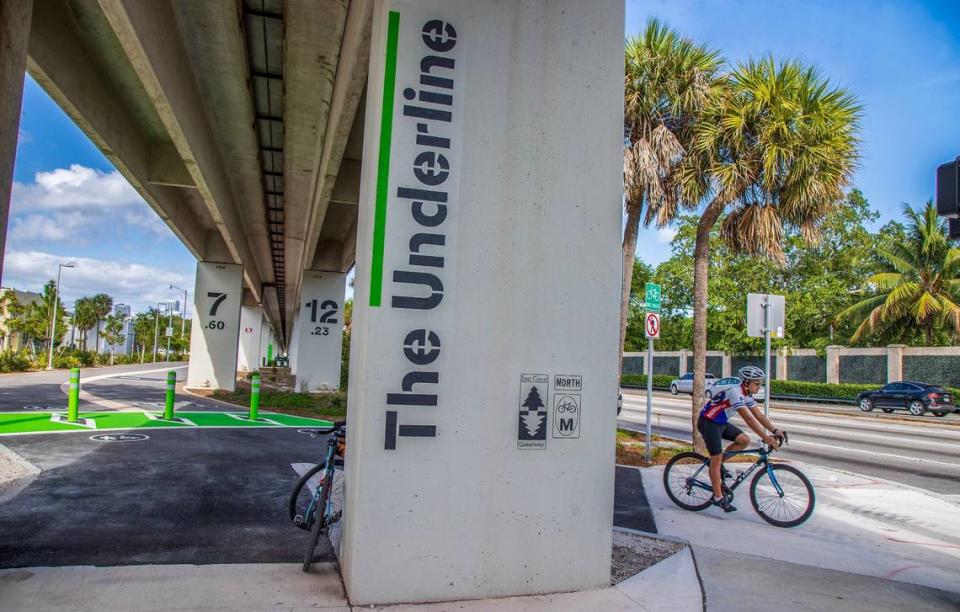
[{"x": 915, "y": 397}]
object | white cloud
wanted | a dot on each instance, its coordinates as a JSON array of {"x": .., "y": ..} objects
[
  {"x": 75, "y": 187},
  {"x": 666, "y": 234},
  {"x": 57, "y": 227},
  {"x": 129, "y": 283}
]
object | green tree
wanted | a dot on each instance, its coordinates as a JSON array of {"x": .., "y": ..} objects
[
  {"x": 143, "y": 330},
  {"x": 778, "y": 144},
  {"x": 635, "y": 339},
  {"x": 84, "y": 318},
  {"x": 667, "y": 82},
  {"x": 113, "y": 332},
  {"x": 920, "y": 287},
  {"x": 102, "y": 305}
]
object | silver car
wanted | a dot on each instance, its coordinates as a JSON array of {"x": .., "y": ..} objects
[
  {"x": 727, "y": 382},
  {"x": 684, "y": 384}
]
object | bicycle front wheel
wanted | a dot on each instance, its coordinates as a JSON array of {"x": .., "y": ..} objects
[
  {"x": 303, "y": 493},
  {"x": 319, "y": 525},
  {"x": 782, "y": 495},
  {"x": 687, "y": 481}
]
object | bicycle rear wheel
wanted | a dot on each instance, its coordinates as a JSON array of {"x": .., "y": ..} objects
[
  {"x": 687, "y": 481},
  {"x": 319, "y": 525},
  {"x": 303, "y": 494},
  {"x": 783, "y": 499}
]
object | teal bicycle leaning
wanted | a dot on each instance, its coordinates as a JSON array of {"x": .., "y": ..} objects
[
  {"x": 781, "y": 494},
  {"x": 311, "y": 506}
]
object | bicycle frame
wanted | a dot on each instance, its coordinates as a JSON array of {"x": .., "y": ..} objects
[
  {"x": 762, "y": 459},
  {"x": 327, "y": 482}
]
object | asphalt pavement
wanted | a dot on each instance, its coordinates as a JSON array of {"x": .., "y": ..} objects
[{"x": 925, "y": 455}]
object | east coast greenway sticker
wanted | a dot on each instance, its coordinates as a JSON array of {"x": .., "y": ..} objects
[{"x": 532, "y": 421}]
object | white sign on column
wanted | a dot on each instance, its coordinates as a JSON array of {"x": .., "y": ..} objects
[
  {"x": 494, "y": 134},
  {"x": 215, "y": 327},
  {"x": 320, "y": 331},
  {"x": 250, "y": 320}
]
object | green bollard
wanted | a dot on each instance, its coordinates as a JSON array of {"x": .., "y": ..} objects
[
  {"x": 171, "y": 395},
  {"x": 254, "y": 396},
  {"x": 270, "y": 355},
  {"x": 73, "y": 401}
]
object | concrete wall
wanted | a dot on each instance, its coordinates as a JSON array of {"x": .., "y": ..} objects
[
  {"x": 839, "y": 364},
  {"x": 459, "y": 484}
]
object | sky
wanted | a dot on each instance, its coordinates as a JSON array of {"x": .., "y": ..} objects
[{"x": 900, "y": 58}]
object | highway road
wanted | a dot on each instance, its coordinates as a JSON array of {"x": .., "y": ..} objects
[{"x": 924, "y": 455}]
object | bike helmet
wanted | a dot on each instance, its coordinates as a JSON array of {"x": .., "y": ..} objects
[{"x": 747, "y": 373}]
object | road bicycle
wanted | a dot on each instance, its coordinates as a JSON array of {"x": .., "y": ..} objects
[
  {"x": 311, "y": 507},
  {"x": 781, "y": 494}
]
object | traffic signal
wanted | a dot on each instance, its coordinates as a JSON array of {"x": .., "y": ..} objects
[{"x": 948, "y": 190}]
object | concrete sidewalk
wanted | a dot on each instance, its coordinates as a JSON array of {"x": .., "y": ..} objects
[{"x": 669, "y": 585}]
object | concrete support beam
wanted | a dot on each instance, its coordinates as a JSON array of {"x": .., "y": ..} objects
[
  {"x": 60, "y": 63},
  {"x": 215, "y": 327},
  {"x": 166, "y": 167},
  {"x": 164, "y": 69},
  {"x": 15, "y": 20},
  {"x": 895, "y": 362},
  {"x": 833, "y": 363}
]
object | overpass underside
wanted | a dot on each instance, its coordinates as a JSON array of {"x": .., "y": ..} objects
[{"x": 240, "y": 122}]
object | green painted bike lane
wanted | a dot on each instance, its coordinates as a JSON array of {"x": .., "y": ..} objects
[{"x": 14, "y": 423}]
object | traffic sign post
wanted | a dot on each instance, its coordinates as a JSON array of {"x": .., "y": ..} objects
[
  {"x": 651, "y": 328},
  {"x": 771, "y": 310}
]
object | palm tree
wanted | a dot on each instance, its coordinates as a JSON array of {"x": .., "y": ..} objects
[
  {"x": 779, "y": 144},
  {"x": 84, "y": 317},
  {"x": 102, "y": 305},
  {"x": 921, "y": 289},
  {"x": 113, "y": 332},
  {"x": 668, "y": 80}
]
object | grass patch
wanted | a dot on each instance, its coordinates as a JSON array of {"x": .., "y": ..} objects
[
  {"x": 330, "y": 406},
  {"x": 632, "y": 448}
]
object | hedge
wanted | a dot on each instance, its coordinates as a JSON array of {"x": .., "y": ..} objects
[{"x": 781, "y": 388}]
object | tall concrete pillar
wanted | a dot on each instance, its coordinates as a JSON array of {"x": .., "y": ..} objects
[
  {"x": 684, "y": 355},
  {"x": 319, "y": 336},
  {"x": 833, "y": 363},
  {"x": 248, "y": 358},
  {"x": 294, "y": 344},
  {"x": 727, "y": 368},
  {"x": 15, "y": 18},
  {"x": 481, "y": 433},
  {"x": 895, "y": 362},
  {"x": 215, "y": 327}
]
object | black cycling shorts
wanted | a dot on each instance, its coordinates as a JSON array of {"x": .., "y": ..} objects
[{"x": 714, "y": 432}]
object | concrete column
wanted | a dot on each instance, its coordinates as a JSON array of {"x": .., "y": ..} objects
[
  {"x": 781, "y": 365},
  {"x": 319, "y": 338},
  {"x": 498, "y": 129},
  {"x": 15, "y": 18},
  {"x": 684, "y": 354},
  {"x": 833, "y": 363},
  {"x": 895, "y": 362},
  {"x": 250, "y": 326},
  {"x": 215, "y": 327},
  {"x": 727, "y": 369},
  {"x": 294, "y": 349}
]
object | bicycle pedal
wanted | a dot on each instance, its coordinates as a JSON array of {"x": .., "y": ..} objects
[{"x": 298, "y": 520}]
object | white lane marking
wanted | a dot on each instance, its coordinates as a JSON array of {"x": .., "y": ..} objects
[
  {"x": 866, "y": 452},
  {"x": 946, "y": 430},
  {"x": 821, "y": 426},
  {"x": 116, "y": 374}
]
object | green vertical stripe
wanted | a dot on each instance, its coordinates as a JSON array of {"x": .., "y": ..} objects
[{"x": 383, "y": 164}]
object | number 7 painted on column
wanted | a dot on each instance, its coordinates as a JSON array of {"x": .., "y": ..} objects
[{"x": 220, "y": 297}]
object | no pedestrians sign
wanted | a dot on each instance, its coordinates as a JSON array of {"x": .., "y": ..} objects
[{"x": 651, "y": 325}]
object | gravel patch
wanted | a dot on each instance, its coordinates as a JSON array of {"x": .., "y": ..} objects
[
  {"x": 15, "y": 473},
  {"x": 633, "y": 553}
]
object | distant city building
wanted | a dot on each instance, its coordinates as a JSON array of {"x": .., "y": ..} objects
[
  {"x": 122, "y": 309},
  {"x": 11, "y": 340}
]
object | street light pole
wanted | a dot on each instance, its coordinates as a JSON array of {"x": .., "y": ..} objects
[
  {"x": 183, "y": 312},
  {"x": 56, "y": 307},
  {"x": 169, "y": 327},
  {"x": 156, "y": 332}
]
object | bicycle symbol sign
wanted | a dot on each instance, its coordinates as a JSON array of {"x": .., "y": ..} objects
[
  {"x": 566, "y": 416},
  {"x": 652, "y": 325}
]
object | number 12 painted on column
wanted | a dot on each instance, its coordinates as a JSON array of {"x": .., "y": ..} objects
[{"x": 329, "y": 308}]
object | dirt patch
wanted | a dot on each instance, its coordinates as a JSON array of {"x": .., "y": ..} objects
[
  {"x": 633, "y": 553},
  {"x": 15, "y": 473}
]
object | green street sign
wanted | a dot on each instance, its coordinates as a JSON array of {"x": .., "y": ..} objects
[{"x": 652, "y": 297}]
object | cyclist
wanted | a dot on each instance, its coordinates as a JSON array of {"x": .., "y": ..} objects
[{"x": 713, "y": 424}]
